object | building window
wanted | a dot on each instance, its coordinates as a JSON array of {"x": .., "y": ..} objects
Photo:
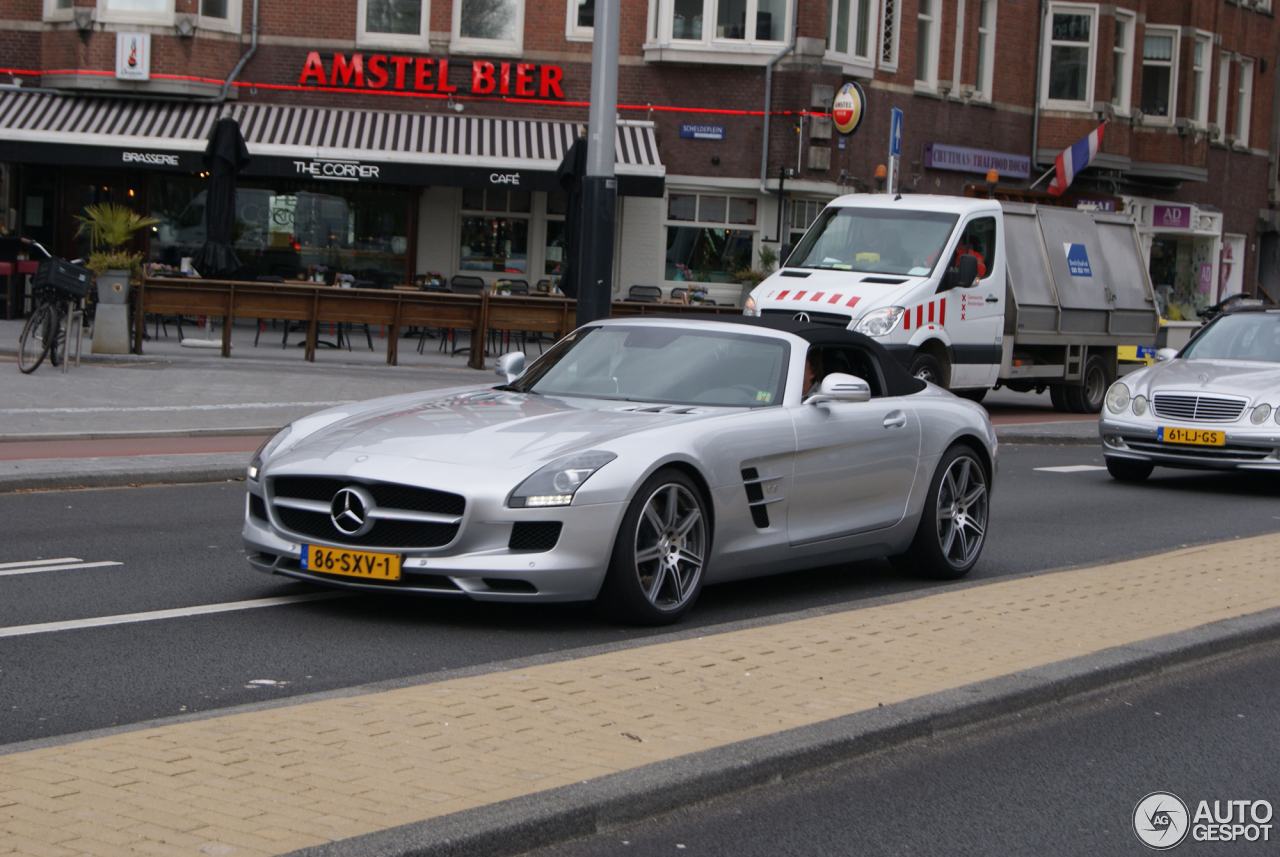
[
  {"x": 57, "y": 10},
  {"x": 1068, "y": 75},
  {"x": 392, "y": 23},
  {"x": 1122, "y": 62},
  {"x": 138, "y": 11},
  {"x": 220, "y": 15},
  {"x": 495, "y": 230},
  {"x": 851, "y": 29},
  {"x": 986, "y": 48},
  {"x": 891, "y": 18},
  {"x": 706, "y": 238},
  {"x": 1201, "y": 50},
  {"x": 494, "y": 26},
  {"x": 1224, "y": 92},
  {"x": 927, "y": 44},
  {"x": 581, "y": 23},
  {"x": 803, "y": 213},
  {"x": 730, "y": 24},
  {"x": 1245, "y": 104},
  {"x": 1159, "y": 73}
]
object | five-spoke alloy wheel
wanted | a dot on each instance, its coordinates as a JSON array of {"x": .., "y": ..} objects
[{"x": 953, "y": 525}]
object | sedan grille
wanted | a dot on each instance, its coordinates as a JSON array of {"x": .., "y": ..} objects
[
  {"x": 403, "y": 516},
  {"x": 1204, "y": 408}
]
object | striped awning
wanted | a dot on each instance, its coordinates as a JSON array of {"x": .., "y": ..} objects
[{"x": 325, "y": 133}]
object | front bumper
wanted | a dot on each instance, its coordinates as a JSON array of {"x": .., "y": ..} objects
[{"x": 1139, "y": 441}]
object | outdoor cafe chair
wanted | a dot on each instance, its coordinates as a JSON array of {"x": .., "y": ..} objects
[{"x": 644, "y": 294}]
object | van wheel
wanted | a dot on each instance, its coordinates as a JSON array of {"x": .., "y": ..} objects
[
  {"x": 926, "y": 368},
  {"x": 1058, "y": 395},
  {"x": 1089, "y": 396}
]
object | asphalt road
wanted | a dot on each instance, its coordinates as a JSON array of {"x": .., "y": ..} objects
[
  {"x": 1060, "y": 780},
  {"x": 179, "y": 547}
]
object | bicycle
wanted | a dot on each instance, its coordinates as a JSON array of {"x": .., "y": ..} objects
[{"x": 58, "y": 286}]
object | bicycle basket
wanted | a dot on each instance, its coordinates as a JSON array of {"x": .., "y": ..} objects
[{"x": 57, "y": 275}]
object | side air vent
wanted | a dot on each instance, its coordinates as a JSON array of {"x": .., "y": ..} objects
[{"x": 755, "y": 496}]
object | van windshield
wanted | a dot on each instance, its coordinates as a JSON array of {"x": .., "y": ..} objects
[{"x": 875, "y": 240}]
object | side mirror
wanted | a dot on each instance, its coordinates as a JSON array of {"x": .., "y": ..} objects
[
  {"x": 1164, "y": 354},
  {"x": 968, "y": 271},
  {"x": 510, "y": 365},
  {"x": 838, "y": 387}
]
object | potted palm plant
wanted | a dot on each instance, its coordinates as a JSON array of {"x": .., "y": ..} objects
[{"x": 110, "y": 226}]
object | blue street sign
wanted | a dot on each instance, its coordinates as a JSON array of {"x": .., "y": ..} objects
[{"x": 895, "y": 134}]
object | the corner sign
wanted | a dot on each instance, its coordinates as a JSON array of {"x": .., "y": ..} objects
[
  {"x": 848, "y": 108},
  {"x": 339, "y": 171},
  {"x": 1077, "y": 260},
  {"x": 133, "y": 56},
  {"x": 429, "y": 74},
  {"x": 702, "y": 132}
]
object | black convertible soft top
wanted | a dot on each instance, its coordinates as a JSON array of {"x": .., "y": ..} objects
[{"x": 898, "y": 382}]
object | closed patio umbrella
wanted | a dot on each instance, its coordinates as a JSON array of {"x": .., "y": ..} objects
[
  {"x": 224, "y": 157},
  {"x": 569, "y": 176}
]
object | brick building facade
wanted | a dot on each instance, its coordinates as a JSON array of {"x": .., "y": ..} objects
[{"x": 1185, "y": 86}]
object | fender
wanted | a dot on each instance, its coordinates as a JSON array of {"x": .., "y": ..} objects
[{"x": 904, "y": 353}]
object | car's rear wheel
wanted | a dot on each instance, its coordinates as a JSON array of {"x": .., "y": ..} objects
[
  {"x": 953, "y": 525},
  {"x": 660, "y": 553},
  {"x": 1129, "y": 469}
]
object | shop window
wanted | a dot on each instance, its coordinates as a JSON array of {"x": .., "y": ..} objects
[
  {"x": 711, "y": 209},
  {"x": 393, "y": 23},
  {"x": 581, "y": 24},
  {"x": 986, "y": 49},
  {"x": 851, "y": 28},
  {"x": 927, "y": 44},
  {"x": 1244, "y": 104},
  {"x": 682, "y": 206},
  {"x": 558, "y": 203},
  {"x": 742, "y": 210},
  {"x": 1159, "y": 73},
  {"x": 1122, "y": 62},
  {"x": 492, "y": 240},
  {"x": 891, "y": 18},
  {"x": 1068, "y": 72},
  {"x": 708, "y": 251},
  {"x": 493, "y": 26}
]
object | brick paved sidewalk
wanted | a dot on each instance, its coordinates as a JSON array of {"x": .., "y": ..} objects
[{"x": 272, "y": 781}]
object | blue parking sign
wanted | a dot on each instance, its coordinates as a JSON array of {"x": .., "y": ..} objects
[{"x": 895, "y": 134}]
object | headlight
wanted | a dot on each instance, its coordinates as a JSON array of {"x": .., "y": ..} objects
[
  {"x": 749, "y": 308},
  {"x": 1260, "y": 414},
  {"x": 1117, "y": 398},
  {"x": 879, "y": 322},
  {"x": 1139, "y": 405},
  {"x": 556, "y": 483},
  {"x": 269, "y": 446}
]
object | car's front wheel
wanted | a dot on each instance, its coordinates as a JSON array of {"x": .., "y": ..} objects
[
  {"x": 660, "y": 553},
  {"x": 1129, "y": 469},
  {"x": 953, "y": 525}
]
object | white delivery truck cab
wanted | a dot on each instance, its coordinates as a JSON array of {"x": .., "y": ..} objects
[{"x": 974, "y": 294}]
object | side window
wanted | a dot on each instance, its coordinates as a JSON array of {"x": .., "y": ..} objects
[
  {"x": 979, "y": 239},
  {"x": 856, "y": 362}
]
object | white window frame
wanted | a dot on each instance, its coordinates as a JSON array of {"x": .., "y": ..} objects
[
  {"x": 53, "y": 13},
  {"x": 365, "y": 39},
  {"x": 851, "y": 59},
  {"x": 1244, "y": 109},
  {"x": 728, "y": 193},
  {"x": 709, "y": 49},
  {"x": 105, "y": 14},
  {"x": 494, "y": 47},
  {"x": 984, "y": 83},
  {"x": 890, "y": 30},
  {"x": 229, "y": 24},
  {"x": 930, "y": 83},
  {"x": 1085, "y": 106},
  {"x": 1175, "y": 35},
  {"x": 1224, "y": 95},
  {"x": 1130, "y": 21},
  {"x": 573, "y": 32},
  {"x": 1200, "y": 88}
]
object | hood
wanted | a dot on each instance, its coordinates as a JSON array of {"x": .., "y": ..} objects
[
  {"x": 844, "y": 292},
  {"x": 488, "y": 428},
  {"x": 1253, "y": 381}
]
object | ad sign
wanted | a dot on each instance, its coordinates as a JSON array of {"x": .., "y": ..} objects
[
  {"x": 848, "y": 108},
  {"x": 133, "y": 56},
  {"x": 940, "y": 156}
]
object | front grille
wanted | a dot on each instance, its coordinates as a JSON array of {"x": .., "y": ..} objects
[
  {"x": 387, "y": 495},
  {"x": 1192, "y": 407},
  {"x": 1230, "y": 452},
  {"x": 833, "y": 318},
  {"x": 534, "y": 536},
  {"x": 258, "y": 508}
]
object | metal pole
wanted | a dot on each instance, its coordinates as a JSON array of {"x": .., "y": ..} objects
[{"x": 600, "y": 188}]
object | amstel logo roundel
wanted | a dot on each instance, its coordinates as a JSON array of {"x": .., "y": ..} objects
[{"x": 848, "y": 108}]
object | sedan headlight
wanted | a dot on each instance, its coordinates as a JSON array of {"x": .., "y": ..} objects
[
  {"x": 1260, "y": 414},
  {"x": 1139, "y": 405},
  {"x": 269, "y": 446},
  {"x": 1117, "y": 398},
  {"x": 556, "y": 483},
  {"x": 879, "y": 322},
  {"x": 750, "y": 308}
]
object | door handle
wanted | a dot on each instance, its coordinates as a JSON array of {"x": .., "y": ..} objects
[
  {"x": 992, "y": 299},
  {"x": 895, "y": 419}
]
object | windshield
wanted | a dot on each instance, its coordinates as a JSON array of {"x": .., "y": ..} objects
[
  {"x": 1239, "y": 336},
  {"x": 665, "y": 365},
  {"x": 875, "y": 240}
]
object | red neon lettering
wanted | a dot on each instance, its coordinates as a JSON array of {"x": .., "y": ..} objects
[
  {"x": 344, "y": 71},
  {"x": 551, "y": 77},
  {"x": 481, "y": 77},
  {"x": 524, "y": 79},
  {"x": 377, "y": 71},
  {"x": 422, "y": 73},
  {"x": 400, "y": 63},
  {"x": 313, "y": 68},
  {"x": 442, "y": 79},
  {"x": 505, "y": 87}
]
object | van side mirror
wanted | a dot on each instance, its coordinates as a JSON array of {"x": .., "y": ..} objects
[
  {"x": 510, "y": 365},
  {"x": 968, "y": 271},
  {"x": 839, "y": 387}
]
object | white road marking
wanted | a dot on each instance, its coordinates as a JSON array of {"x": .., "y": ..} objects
[
  {"x": 1072, "y": 468},
  {"x": 40, "y": 562},
  {"x": 178, "y": 613},
  {"x": 34, "y": 569},
  {"x": 174, "y": 408}
]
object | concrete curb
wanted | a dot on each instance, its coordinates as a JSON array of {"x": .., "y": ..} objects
[
  {"x": 521, "y": 824},
  {"x": 119, "y": 478}
]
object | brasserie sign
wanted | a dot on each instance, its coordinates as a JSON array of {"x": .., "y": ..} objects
[{"x": 431, "y": 74}]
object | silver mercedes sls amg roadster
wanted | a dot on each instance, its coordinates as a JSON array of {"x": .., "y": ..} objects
[
  {"x": 1214, "y": 405},
  {"x": 635, "y": 461}
]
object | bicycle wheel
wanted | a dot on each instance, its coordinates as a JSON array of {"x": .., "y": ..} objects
[
  {"x": 58, "y": 335},
  {"x": 33, "y": 344}
]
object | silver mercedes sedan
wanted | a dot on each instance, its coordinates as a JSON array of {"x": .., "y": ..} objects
[
  {"x": 634, "y": 462},
  {"x": 1213, "y": 405}
]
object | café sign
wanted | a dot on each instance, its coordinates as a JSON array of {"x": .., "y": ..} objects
[
  {"x": 431, "y": 74},
  {"x": 341, "y": 171}
]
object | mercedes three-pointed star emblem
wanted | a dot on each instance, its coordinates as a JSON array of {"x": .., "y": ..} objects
[{"x": 349, "y": 511}]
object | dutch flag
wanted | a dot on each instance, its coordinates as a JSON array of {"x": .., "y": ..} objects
[{"x": 1071, "y": 161}]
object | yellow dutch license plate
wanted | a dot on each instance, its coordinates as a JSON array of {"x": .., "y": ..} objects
[
  {"x": 349, "y": 563},
  {"x": 1198, "y": 437}
]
